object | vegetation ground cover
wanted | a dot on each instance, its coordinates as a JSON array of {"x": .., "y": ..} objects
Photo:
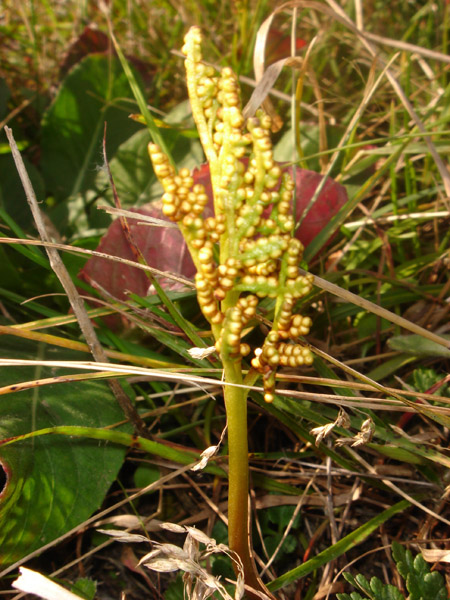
[{"x": 351, "y": 454}]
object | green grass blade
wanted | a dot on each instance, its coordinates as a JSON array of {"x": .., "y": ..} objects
[
  {"x": 349, "y": 541},
  {"x": 183, "y": 457},
  {"x": 31, "y": 252},
  {"x": 139, "y": 97}
]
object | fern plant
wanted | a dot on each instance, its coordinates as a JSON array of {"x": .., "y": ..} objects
[
  {"x": 245, "y": 252},
  {"x": 420, "y": 582}
]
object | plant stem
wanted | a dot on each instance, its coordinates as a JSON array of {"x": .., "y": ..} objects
[
  {"x": 238, "y": 481},
  {"x": 236, "y": 407}
]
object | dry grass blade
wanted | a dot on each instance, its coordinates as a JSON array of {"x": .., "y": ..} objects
[
  {"x": 110, "y": 369},
  {"x": 406, "y": 46},
  {"x": 261, "y": 77},
  {"x": 338, "y": 14},
  {"x": 442, "y": 168},
  {"x": 145, "y": 219},
  {"x": 433, "y": 412},
  {"x": 369, "y": 93},
  {"x": 259, "y": 96},
  {"x": 427, "y": 216},
  {"x": 396, "y": 489},
  {"x": 298, "y": 506},
  {"x": 53, "y": 340},
  {"x": 76, "y": 302},
  {"x": 54, "y": 258}
]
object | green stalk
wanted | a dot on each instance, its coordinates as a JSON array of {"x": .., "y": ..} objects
[
  {"x": 238, "y": 484},
  {"x": 236, "y": 407},
  {"x": 238, "y": 480}
]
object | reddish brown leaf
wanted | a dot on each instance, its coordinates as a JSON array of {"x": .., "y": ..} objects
[
  {"x": 94, "y": 41},
  {"x": 90, "y": 41},
  {"x": 163, "y": 248},
  {"x": 279, "y": 45},
  {"x": 332, "y": 197}
]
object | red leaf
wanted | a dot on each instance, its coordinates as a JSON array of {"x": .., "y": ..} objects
[
  {"x": 279, "y": 45},
  {"x": 332, "y": 197},
  {"x": 163, "y": 248}
]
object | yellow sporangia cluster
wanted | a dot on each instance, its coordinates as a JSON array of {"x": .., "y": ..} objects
[{"x": 247, "y": 250}]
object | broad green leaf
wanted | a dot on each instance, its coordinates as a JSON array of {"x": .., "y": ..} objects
[
  {"x": 131, "y": 168},
  {"x": 93, "y": 93},
  {"x": 382, "y": 591},
  {"x": 132, "y": 172},
  {"x": 53, "y": 483}
]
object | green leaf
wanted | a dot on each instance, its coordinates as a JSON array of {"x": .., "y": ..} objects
[
  {"x": 131, "y": 168},
  {"x": 375, "y": 590},
  {"x": 146, "y": 474},
  {"x": 361, "y": 582},
  {"x": 383, "y": 591},
  {"x": 425, "y": 378},
  {"x": 140, "y": 99},
  {"x": 53, "y": 483},
  {"x": 84, "y": 587},
  {"x": 12, "y": 197},
  {"x": 132, "y": 172},
  {"x": 354, "y": 595},
  {"x": 421, "y": 584},
  {"x": 32, "y": 253},
  {"x": 93, "y": 93},
  {"x": 387, "y": 368},
  {"x": 418, "y": 345}
]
